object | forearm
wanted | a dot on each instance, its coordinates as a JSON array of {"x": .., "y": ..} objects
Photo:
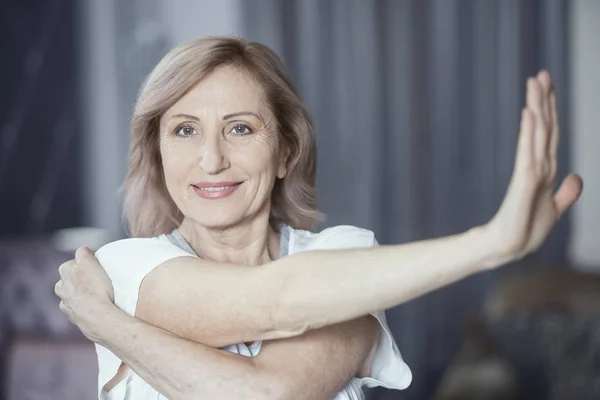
[
  {"x": 178, "y": 368},
  {"x": 335, "y": 286}
]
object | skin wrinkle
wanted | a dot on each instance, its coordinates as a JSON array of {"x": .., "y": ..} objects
[{"x": 236, "y": 228}]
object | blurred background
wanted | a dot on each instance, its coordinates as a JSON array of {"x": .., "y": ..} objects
[{"x": 416, "y": 104}]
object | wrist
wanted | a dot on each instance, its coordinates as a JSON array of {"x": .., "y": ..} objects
[
  {"x": 104, "y": 321},
  {"x": 495, "y": 253}
]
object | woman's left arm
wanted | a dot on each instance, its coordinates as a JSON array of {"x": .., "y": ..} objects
[{"x": 315, "y": 365}]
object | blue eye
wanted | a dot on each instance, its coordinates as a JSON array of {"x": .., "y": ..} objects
[
  {"x": 185, "y": 130},
  {"x": 241, "y": 129}
]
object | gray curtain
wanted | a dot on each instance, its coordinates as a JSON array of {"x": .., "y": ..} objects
[{"x": 416, "y": 105}]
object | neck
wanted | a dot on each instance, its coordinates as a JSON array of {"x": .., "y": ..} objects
[{"x": 251, "y": 242}]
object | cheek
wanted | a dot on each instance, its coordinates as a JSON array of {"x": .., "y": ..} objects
[
  {"x": 257, "y": 160},
  {"x": 177, "y": 162}
]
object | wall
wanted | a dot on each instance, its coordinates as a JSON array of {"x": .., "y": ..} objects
[
  {"x": 584, "y": 131},
  {"x": 40, "y": 121}
]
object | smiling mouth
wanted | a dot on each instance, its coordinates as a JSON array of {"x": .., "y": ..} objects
[{"x": 216, "y": 188}]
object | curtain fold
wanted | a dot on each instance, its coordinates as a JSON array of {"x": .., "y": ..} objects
[{"x": 417, "y": 105}]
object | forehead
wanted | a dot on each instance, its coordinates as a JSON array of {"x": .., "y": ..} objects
[{"x": 225, "y": 90}]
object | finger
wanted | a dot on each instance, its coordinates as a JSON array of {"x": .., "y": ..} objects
[
  {"x": 534, "y": 103},
  {"x": 568, "y": 192},
  {"x": 546, "y": 84},
  {"x": 65, "y": 268},
  {"x": 82, "y": 253},
  {"x": 554, "y": 136},
  {"x": 59, "y": 289},
  {"x": 524, "y": 157}
]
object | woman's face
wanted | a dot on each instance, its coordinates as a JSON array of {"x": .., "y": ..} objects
[{"x": 220, "y": 150}]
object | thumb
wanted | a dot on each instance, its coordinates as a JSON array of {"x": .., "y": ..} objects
[{"x": 569, "y": 191}]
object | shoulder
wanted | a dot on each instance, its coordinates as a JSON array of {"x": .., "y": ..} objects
[
  {"x": 336, "y": 237},
  {"x": 136, "y": 248},
  {"x": 126, "y": 258},
  {"x": 125, "y": 245}
]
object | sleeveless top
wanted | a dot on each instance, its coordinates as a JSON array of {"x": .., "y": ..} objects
[{"x": 128, "y": 261}]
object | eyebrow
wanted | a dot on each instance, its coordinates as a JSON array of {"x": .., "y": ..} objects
[
  {"x": 225, "y": 117},
  {"x": 237, "y": 114},
  {"x": 186, "y": 116}
]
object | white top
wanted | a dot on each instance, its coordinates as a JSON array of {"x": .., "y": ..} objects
[{"x": 128, "y": 261}]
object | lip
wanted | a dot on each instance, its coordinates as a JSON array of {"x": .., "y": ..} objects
[
  {"x": 203, "y": 189},
  {"x": 202, "y": 185}
]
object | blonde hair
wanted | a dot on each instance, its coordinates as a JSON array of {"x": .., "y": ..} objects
[{"x": 148, "y": 207}]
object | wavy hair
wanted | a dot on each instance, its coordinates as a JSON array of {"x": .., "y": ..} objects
[{"x": 147, "y": 206}]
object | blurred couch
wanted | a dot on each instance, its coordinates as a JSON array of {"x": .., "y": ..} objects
[
  {"x": 42, "y": 355},
  {"x": 537, "y": 338}
]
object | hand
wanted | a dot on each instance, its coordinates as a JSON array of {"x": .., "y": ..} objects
[
  {"x": 85, "y": 291},
  {"x": 530, "y": 208}
]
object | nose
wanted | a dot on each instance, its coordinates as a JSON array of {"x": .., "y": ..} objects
[{"x": 212, "y": 154}]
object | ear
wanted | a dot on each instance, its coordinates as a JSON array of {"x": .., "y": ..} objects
[{"x": 283, "y": 161}]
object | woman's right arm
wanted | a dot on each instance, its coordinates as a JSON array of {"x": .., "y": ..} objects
[{"x": 221, "y": 304}]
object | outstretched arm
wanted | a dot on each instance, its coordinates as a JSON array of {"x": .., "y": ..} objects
[
  {"x": 304, "y": 291},
  {"x": 219, "y": 304}
]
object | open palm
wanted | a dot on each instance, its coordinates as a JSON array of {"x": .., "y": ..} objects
[{"x": 531, "y": 208}]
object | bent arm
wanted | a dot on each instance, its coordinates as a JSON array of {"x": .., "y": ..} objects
[
  {"x": 219, "y": 304},
  {"x": 179, "y": 368},
  {"x": 312, "y": 366}
]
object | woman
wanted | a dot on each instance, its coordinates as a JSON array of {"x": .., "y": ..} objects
[{"x": 221, "y": 185}]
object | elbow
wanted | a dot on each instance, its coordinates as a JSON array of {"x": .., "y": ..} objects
[
  {"x": 270, "y": 386},
  {"x": 184, "y": 395},
  {"x": 279, "y": 393},
  {"x": 253, "y": 390},
  {"x": 242, "y": 394},
  {"x": 286, "y": 390},
  {"x": 274, "y": 391},
  {"x": 284, "y": 310}
]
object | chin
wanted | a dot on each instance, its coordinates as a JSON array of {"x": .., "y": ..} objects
[
  {"x": 224, "y": 213},
  {"x": 216, "y": 220}
]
